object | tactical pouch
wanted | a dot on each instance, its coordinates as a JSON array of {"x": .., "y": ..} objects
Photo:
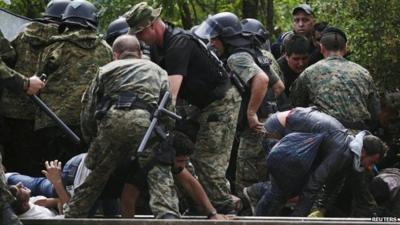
[{"x": 102, "y": 107}]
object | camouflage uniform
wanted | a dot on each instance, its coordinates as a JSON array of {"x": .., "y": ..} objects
[
  {"x": 70, "y": 63},
  {"x": 119, "y": 134},
  {"x": 338, "y": 87},
  {"x": 8, "y": 77},
  {"x": 217, "y": 120},
  {"x": 213, "y": 146},
  {"x": 250, "y": 164},
  {"x": 17, "y": 109}
]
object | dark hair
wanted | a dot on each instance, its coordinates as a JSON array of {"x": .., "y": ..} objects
[
  {"x": 17, "y": 204},
  {"x": 380, "y": 190},
  {"x": 373, "y": 145},
  {"x": 333, "y": 41},
  {"x": 182, "y": 144},
  {"x": 320, "y": 26},
  {"x": 296, "y": 44}
]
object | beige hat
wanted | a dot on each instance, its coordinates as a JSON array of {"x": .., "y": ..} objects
[{"x": 141, "y": 16}]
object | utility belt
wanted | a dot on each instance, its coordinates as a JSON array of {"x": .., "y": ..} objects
[{"x": 124, "y": 101}]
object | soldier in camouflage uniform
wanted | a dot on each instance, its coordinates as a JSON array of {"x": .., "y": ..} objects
[
  {"x": 10, "y": 78},
  {"x": 338, "y": 87},
  {"x": 70, "y": 63},
  {"x": 250, "y": 163},
  {"x": 231, "y": 45},
  {"x": 194, "y": 77},
  {"x": 18, "y": 111},
  {"x": 121, "y": 127}
]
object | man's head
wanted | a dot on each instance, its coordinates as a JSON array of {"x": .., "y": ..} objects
[
  {"x": 22, "y": 195},
  {"x": 184, "y": 147},
  {"x": 223, "y": 30},
  {"x": 255, "y": 28},
  {"x": 374, "y": 149},
  {"x": 115, "y": 29},
  {"x": 296, "y": 52},
  {"x": 144, "y": 21},
  {"x": 318, "y": 29},
  {"x": 333, "y": 40},
  {"x": 126, "y": 46},
  {"x": 79, "y": 14},
  {"x": 303, "y": 20}
]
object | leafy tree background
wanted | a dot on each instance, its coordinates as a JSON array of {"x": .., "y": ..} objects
[{"x": 373, "y": 26}]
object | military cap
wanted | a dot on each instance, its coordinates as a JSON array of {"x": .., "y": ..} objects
[
  {"x": 141, "y": 16},
  {"x": 334, "y": 30},
  {"x": 303, "y": 7}
]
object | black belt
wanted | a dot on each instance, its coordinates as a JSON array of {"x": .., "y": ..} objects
[{"x": 124, "y": 101}]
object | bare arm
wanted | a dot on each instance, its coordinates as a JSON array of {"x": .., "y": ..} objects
[
  {"x": 175, "y": 82},
  {"x": 196, "y": 191},
  {"x": 53, "y": 174},
  {"x": 259, "y": 86}
]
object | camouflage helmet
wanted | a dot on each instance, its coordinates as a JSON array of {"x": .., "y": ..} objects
[
  {"x": 141, "y": 16},
  {"x": 115, "y": 29},
  {"x": 82, "y": 13},
  {"x": 55, "y": 9}
]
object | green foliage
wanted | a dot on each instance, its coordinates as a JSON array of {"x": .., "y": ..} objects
[{"x": 373, "y": 26}]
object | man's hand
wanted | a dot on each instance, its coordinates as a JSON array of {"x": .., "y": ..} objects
[
  {"x": 34, "y": 84},
  {"x": 254, "y": 123},
  {"x": 218, "y": 217},
  {"x": 53, "y": 171}
]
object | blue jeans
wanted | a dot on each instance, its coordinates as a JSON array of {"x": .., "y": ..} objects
[
  {"x": 38, "y": 185},
  {"x": 41, "y": 185}
]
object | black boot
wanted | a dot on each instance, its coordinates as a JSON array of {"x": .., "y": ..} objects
[{"x": 8, "y": 216}]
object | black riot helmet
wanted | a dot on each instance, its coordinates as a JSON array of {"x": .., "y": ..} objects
[
  {"x": 55, "y": 10},
  {"x": 81, "y": 13},
  {"x": 254, "y": 27},
  {"x": 225, "y": 26},
  {"x": 115, "y": 29}
]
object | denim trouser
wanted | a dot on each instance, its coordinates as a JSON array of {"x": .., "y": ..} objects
[{"x": 37, "y": 185}]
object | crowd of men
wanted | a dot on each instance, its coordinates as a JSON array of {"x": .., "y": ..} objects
[{"x": 305, "y": 119}]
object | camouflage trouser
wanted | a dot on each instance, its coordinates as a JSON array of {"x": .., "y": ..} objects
[
  {"x": 213, "y": 147},
  {"x": 119, "y": 136},
  {"x": 251, "y": 164}
]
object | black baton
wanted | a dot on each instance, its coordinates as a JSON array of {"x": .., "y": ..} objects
[{"x": 54, "y": 117}]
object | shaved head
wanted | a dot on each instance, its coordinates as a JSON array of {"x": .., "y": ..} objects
[{"x": 126, "y": 45}]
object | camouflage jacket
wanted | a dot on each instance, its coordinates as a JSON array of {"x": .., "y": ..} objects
[
  {"x": 28, "y": 46},
  {"x": 70, "y": 63},
  {"x": 8, "y": 78},
  {"x": 140, "y": 76},
  {"x": 338, "y": 87}
]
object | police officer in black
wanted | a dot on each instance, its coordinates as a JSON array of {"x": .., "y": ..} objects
[{"x": 194, "y": 78}]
